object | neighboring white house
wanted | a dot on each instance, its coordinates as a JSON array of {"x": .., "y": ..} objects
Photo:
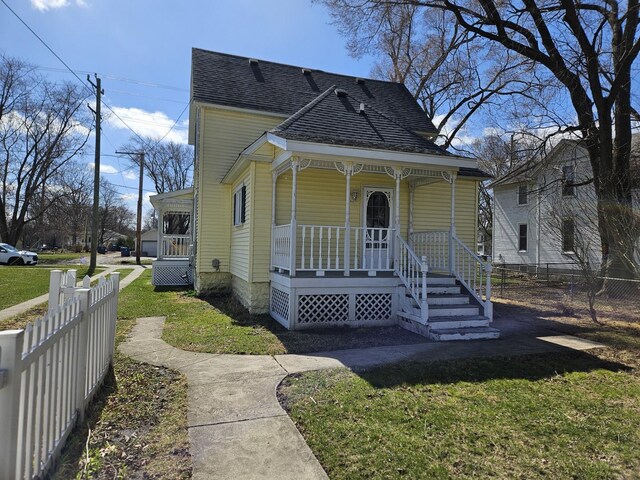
[{"x": 540, "y": 215}]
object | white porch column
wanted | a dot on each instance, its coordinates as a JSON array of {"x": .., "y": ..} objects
[
  {"x": 412, "y": 189},
  {"x": 452, "y": 229},
  {"x": 348, "y": 171},
  {"x": 274, "y": 180},
  {"x": 397, "y": 173},
  {"x": 160, "y": 244},
  {"x": 295, "y": 164}
]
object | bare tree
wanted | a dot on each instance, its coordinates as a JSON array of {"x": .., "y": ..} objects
[
  {"x": 453, "y": 73},
  {"x": 168, "y": 164},
  {"x": 115, "y": 216},
  {"x": 42, "y": 127},
  {"x": 585, "y": 51}
]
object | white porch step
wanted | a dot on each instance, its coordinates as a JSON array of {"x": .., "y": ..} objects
[
  {"x": 444, "y": 323},
  {"x": 447, "y": 299},
  {"x": 441, "y": 279},
  {"x": 473, "y": 333},
  {"x": 453, "y": 310},
  {"x": 437, "y": 289},
  {"x": 416, "y": 317}
]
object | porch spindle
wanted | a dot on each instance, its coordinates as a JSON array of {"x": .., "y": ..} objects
[
  {"x": 304, "y": 235},
  {"x": 313, "y": 239},
  {"x": 424, "y": 306},
  {"x": 320, "y": 249},
  {"x": 337, "y": 248}
]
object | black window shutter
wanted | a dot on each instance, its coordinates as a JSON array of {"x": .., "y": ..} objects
[{"x": 244, "y": 204}]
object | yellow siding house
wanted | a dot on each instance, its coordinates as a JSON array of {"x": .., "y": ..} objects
[{"x": 322, "y": 199}]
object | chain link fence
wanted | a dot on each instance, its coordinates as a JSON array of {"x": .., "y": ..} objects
[{"x": 565, "y": 286}]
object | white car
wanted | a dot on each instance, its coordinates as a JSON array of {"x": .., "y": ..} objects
[{"x": 12, "y": 256}]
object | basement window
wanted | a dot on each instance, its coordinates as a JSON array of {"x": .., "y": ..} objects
[{"x": 240, "y": 205}]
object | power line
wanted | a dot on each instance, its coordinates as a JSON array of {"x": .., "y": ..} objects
[
  {"x": 74, "y": 73},
  {"x": 118, "y": 78}
]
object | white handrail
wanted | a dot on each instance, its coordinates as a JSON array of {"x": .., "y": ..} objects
[
  {"x": 413, "y": 273},
  {"x": 473, "y": 273},
  {"x": 321, "y": 248},
  {"x": 175, "y": 246}
]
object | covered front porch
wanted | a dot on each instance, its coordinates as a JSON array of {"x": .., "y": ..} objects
[{"x": 379, "y": 265}]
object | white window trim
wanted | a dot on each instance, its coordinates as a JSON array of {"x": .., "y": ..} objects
[
  {"x": 526, "y": 249},
  {"x": 237, "y": 206}
]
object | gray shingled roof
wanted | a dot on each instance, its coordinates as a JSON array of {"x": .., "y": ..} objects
[
  {"x": 334, "y": 117},
  {"x": 233, "y": 81}
]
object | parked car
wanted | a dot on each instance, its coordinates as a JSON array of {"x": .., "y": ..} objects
[{"x": 10, "y": 255}]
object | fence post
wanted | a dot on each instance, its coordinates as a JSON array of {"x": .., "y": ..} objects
[
  {"x": 70, "y": 283},
  {"x": 488, "y": 305},
  {"x": 10, "y": 378},
  {"x": 115, "y": 278},
  {"x": 424, "y": 306},
  {"x": 55, "y": 282},
  {"x": 86, "y": 282},
  {"x": 83, "y": 345}
]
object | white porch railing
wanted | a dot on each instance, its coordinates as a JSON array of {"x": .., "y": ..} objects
[
  {"x": 49, "y": 372},
  {"x": 281, "y": 247},
  {"x": 175, "y": 246},
  {"x": 413, "y": 273},
  {"x": 473, "y": 273},
  {"x": 323, "y": 248},
  {"x": 435, "y": 246}
]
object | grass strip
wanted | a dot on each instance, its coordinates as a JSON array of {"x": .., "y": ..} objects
[{"x": 572, "y": 415}]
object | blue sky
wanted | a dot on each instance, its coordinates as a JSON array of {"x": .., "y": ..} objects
[{"x": 142, "y": 51}]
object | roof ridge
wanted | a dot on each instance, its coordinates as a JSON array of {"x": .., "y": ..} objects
[
  {"x": 260, "y": 60},
  {"x": 308, "y": 107}
]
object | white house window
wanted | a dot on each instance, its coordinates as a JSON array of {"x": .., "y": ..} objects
[
  {"x": 522, "y": 237},
  {"x": 568, "y": 235},
  {"x": 523, "y": 195},
  {"x": 568, "y": 179},
  {"x": 240, "y": 205}
]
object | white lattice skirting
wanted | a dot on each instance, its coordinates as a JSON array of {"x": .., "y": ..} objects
[
  {"x": 172, "y": 275},
  {"x": 301, "y": 308}
]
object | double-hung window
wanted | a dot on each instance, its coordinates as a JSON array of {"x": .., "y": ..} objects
[
  {"x": 522, "y": 237},
  {"x": 523, "y": 195},
  {"x": 568, "y": 236},
  {"x": 240, "y": 205}
]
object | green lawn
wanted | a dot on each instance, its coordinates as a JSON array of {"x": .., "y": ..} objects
[
  {"x": 54, "y": 258},
  {"x": 561, "y": 415},
  {"x": 221, "y": 325},
  {"x": 19, "y": 284}
]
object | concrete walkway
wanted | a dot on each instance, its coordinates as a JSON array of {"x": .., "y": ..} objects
[
  {"x": 34, "y": 302},
  {"x": 237, "y": 428}
]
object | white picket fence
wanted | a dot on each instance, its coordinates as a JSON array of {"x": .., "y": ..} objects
[{"x": 50, "y": 371}]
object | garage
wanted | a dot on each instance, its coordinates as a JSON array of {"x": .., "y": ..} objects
[{"x": 149, "y": 240}]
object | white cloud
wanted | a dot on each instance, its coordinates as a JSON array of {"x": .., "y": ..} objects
[
  {"x": 108, "y": 169},
  {"x": 129, "y": 197},
  {"x": 149, "y": 124},
  {"x": 130, "y": 175},
  {"x": 44, "y": 5}
]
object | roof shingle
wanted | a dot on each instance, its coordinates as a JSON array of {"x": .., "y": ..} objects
[{"x": 233, "y": 81}]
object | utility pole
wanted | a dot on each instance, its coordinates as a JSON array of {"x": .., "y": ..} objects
[
  {"x": 139, "y": 221},
  {"x": 96, "y": 175}
]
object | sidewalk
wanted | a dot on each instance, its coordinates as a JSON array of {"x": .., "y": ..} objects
[
  {"x": 34, "y": 302},
  {"x": 237, "y": 428}
]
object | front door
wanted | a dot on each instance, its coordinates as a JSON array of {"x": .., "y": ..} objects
[{"x": 377, "y": 236}]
